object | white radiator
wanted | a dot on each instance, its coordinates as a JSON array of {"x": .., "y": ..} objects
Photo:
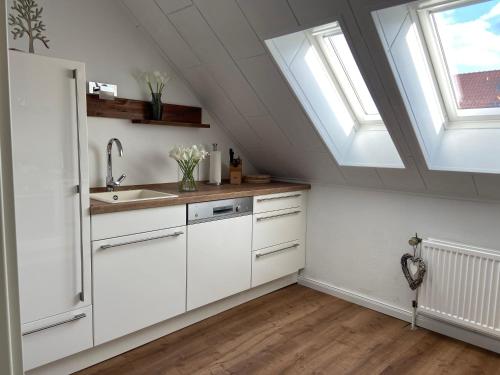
[{"x": 461, "y": 286}]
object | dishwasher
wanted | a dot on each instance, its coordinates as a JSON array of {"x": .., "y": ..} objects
[{"x": 219, "y": 251}]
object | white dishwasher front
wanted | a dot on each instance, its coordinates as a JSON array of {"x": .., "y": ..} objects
[{"x": 219, "y": 255}]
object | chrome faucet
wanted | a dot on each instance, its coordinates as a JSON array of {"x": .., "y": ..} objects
[{"x": 111, "y": 184}]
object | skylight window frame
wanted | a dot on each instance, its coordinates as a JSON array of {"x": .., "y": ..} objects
[
  {"x": 473, "y": 118},
  {"x": 340, "y": 77}
]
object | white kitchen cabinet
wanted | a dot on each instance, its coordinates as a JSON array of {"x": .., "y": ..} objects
[
  {"x": 279, "y": 233},
  {"x": 49, "y": 146},
  {"x": 139, "y": 280},
  {"x": 277, "y": 261},
  {"x": 219, "y": 260}
]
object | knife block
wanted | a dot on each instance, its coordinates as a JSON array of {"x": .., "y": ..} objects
[{"x": 235, "y": 174}]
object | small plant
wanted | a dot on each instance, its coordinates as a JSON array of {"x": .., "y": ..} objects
[
  {"x": 28, "y": 21},
  {"x": 188, "y": 158}
]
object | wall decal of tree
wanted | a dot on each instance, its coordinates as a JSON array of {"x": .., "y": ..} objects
[{"x": 28, "y": 21}]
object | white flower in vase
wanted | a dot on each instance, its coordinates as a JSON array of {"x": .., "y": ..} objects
[
  {"x": 156, "y": 83},
  {"x": 188, "y": 158}
]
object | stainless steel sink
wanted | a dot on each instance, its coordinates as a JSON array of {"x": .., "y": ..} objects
[{"x": 130, "y": 196}]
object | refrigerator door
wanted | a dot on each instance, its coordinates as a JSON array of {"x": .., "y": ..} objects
[{"x": 50, "y": 168}]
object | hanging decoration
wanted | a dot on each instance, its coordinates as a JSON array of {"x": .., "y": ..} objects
[
  {"x": 414, "y": 270},
  {"x": 412, "y": 265},
  {"x": 28, "y": 21}
]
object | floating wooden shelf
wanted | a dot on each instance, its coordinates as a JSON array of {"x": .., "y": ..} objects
[
  {"x": 139, "y": 112},
  {"x": 170, "y": 123}
]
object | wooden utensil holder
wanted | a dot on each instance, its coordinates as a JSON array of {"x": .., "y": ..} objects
[{"x": 235, "y": 174}]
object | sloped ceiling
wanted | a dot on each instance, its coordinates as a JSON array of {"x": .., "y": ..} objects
[{"x": 218, "y": 47}]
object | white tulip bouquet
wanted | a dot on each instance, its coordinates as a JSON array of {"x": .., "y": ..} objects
[
  {"x": 188, "y": 158},
  {"x": 156, "y": 83}
]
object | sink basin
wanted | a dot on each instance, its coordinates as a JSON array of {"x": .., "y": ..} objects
[{"x": 130, "y": 196}]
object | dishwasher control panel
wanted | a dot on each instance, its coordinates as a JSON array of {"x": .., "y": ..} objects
[{"x": 217, "y": 210}]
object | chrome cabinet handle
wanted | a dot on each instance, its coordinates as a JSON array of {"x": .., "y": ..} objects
[
  {"x": 279, "y": 215},
  {"x": 76, "y": 317},
  {"x": 280, "y": 197},
  {"x": 176, "y": 234},
  {"x": 259, "y": 255},
  {"x": 82, "y": 265}
]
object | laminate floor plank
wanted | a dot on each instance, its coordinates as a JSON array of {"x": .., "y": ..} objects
[{"x": 297, "y": 330}]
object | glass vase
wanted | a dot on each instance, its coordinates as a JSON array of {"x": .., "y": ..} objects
[
  {"x": 156, "y": 106},
  {"x": 187, "y": 180}
]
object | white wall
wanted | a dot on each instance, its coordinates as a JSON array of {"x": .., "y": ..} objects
[
  {"x": 103, "y": 35},
  {"x": 355, "y": 236}
]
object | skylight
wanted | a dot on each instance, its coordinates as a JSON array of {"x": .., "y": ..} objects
[
  {"x": 323, "y": 73},
  {"x": 446, "y": 63},
  {"x": 463, "y": 38}
]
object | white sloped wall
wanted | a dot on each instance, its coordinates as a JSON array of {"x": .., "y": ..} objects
[{"x": 218, "y": 47}]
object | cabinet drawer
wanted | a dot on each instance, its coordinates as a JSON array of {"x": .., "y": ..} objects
[
  {"x": 277, "y": 227},
  {"x": 280, "y": 201},
  {"x": 139, "y": 280},
  {"x": 137, "y": 221},
  {"x": 59, "y": 336},
  {"x": 277, "y": 261}
]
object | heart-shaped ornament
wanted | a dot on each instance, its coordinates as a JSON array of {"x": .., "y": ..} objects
[{"x": 413, "y": 269}]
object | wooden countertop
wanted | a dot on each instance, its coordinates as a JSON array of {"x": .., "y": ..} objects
[{"x": 205, "y": 193}]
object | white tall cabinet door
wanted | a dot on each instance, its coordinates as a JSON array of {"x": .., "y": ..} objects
[
  {"x": 50, "y": 160},
  {"x": 139, "y": 280},
  {"x": 49, "y": 145},
  {"x": 219, "y": 259}
]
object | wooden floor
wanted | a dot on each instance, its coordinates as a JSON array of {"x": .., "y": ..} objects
[{"x": 297, "y": 330}]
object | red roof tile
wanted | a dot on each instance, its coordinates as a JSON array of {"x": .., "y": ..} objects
[{"x": 479, "y": 89}]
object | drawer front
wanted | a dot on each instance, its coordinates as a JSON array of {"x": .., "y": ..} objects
[
  {"x": 280, "y": 201},
  {"x": 139, "y": 280},
  {"x": 277, "y": 227},
  {"x": 277, "y": 261},
  {"x": 137, "y": 221},
  {"x": 59, "y": 336}
]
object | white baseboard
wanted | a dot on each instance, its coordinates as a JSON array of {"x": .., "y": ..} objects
[
  {"x": 356, "y": 298},
  {"x": 441, "y": 327},
  {"x": 471, "y": 337},
  {"x": 111, "y": 349}
]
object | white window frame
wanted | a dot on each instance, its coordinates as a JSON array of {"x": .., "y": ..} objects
[
  {"x": 340, "y": 78},
  {"x": 456, "y": 118}
]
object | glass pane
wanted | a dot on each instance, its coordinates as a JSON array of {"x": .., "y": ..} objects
[
  {"x": 343, "y": 52},
  {"x": 329, "y": 91},
  {"x": 470, "y": 40}
]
